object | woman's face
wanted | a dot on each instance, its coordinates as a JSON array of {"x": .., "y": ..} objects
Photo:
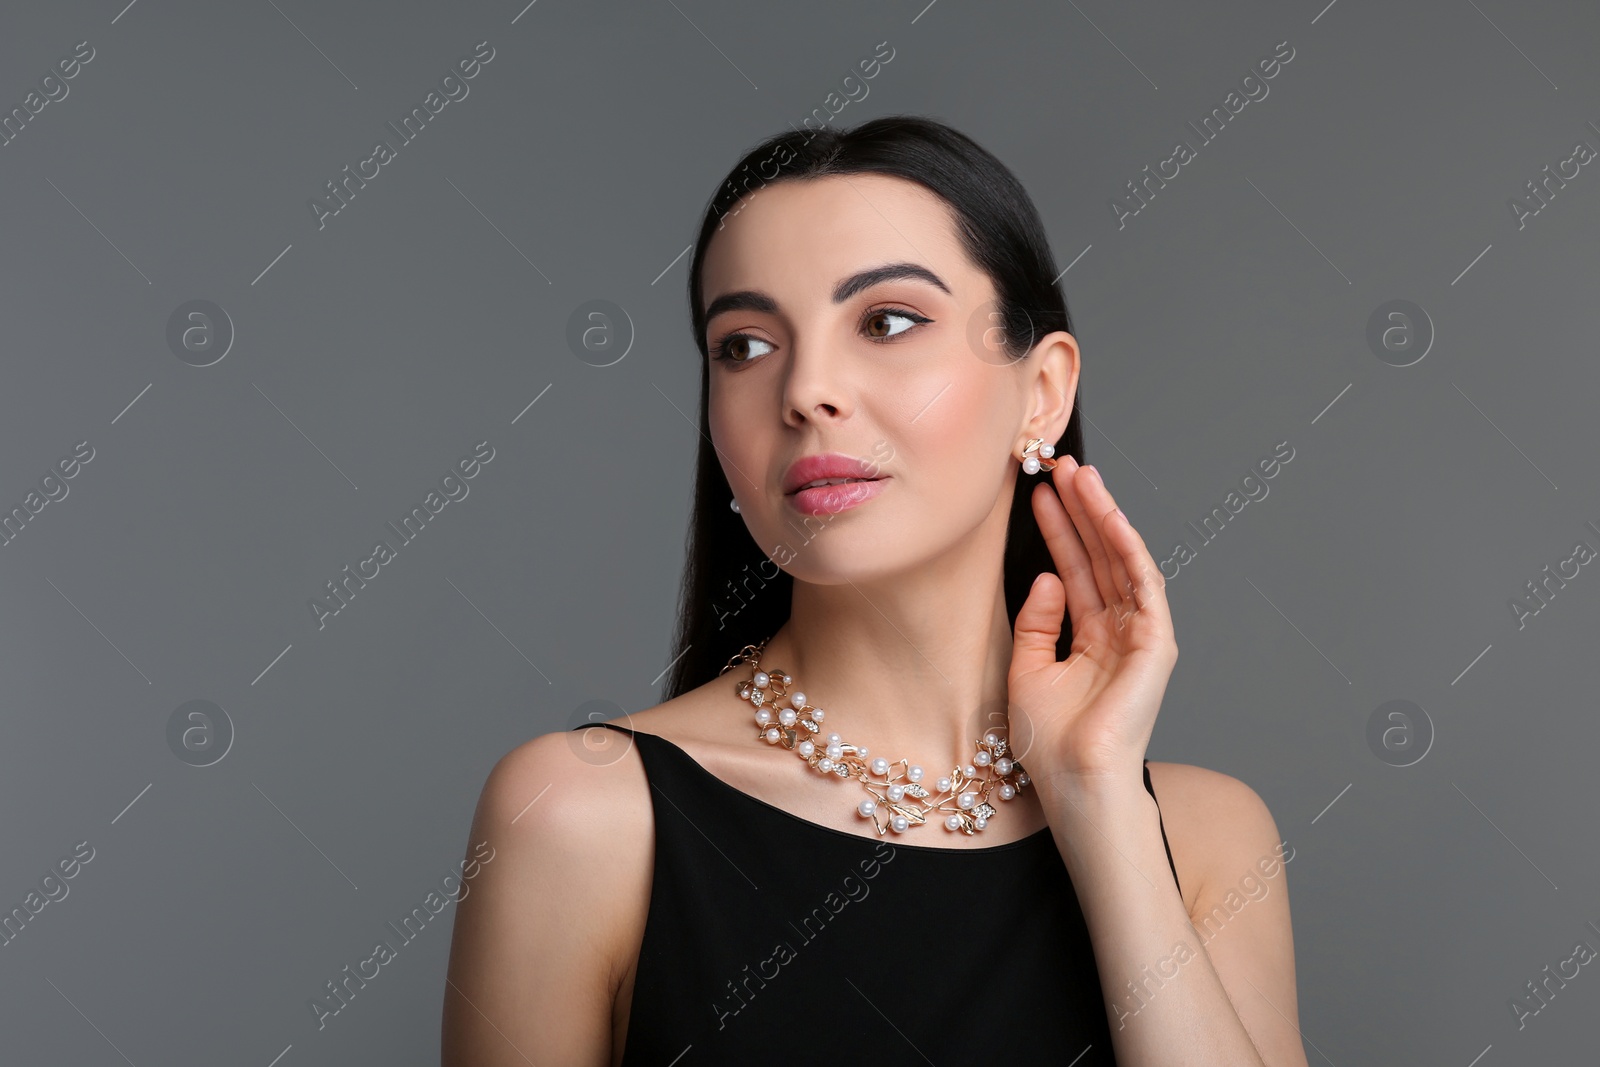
[{"x": 814, "y": 355}]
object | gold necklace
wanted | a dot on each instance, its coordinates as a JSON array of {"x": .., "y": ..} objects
[{"x": 898, "y": 801}]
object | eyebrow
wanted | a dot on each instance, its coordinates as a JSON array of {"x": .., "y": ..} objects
[{"x": 755, "y": 300}]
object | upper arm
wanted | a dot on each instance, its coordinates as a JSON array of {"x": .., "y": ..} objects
[
  {"x": 538, "y": 930},
  {"x": 1233, "y": 867}
]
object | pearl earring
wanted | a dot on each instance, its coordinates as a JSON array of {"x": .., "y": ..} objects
[
  {"x": 734, "y": 504},
  {"x": 1034, "y": 463}
]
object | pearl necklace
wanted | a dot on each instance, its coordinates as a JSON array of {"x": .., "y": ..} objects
[{"x": 898, "y": 801}]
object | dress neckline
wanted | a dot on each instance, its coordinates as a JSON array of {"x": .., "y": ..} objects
[{"x": 1042, "y": 835}]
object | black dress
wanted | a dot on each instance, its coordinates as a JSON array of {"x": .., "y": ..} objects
[{"x": 772, "y": 940}]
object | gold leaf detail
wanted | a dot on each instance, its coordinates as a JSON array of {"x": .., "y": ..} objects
[{"x": 911, "y": 813}]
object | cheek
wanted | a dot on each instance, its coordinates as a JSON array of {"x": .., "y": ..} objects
[
  {"x": 959, "y": 443},
  {"x": 741, "y": 445}
]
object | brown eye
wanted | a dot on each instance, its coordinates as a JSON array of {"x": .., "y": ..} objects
[
  {"x": 878, "y": 324},
  {"x": 735, "y": 348}
]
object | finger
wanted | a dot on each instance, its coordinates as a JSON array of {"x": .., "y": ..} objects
[
  {"x": 1098, "y": 501},
  {"x": 1149, "y": 584},
  {"x": 1071, "y": 482},
  {"x": 1038, "y": 626},
  {"x": 1071, "y": 559}
]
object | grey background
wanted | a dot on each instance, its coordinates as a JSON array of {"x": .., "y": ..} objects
[{"x": 1227, "y": 316}]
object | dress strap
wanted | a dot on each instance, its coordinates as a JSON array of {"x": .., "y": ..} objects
[
  {"x": 1151, "y": 789},
  {"x": 610, "y": 725}
]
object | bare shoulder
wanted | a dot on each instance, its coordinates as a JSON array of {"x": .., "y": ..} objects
[
  {"x": 547, "y": 938},
  {"x": 583, "y": 792},
  {"x": 1217, "y": 827},
  {"x": 1231, "y": 864},
  {"x": 546, "y": 931},
  {"x": 552, "y": 790}
]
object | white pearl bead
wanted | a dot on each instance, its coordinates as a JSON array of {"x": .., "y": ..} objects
[
  {"x": 880, "y": 766},
  {"x": 1047, "y": 451},
  {"x": 991, "y": 737},
  {"x": 942, "y": 785},
  {"x": 966, "y": 800},
  {"x": 787, "y": 716},
  {"x": 914, "y": 773},
  {"x": 835, "y": 751},
  {"x": 834, "y": 739},
  {"x": 1002, "y": 766},
  {"x": 980, "y": 823},
  {"x": 1007, "y": 791},
  {"x": 805, "y": 748},
  {"x": 824, "y": 764},
  {"x": 867, "y": 807},
  {"x": 1031, "y": 465},
  {"x": 900, "y": 822},
  {"x": 818, "y": 714},
  {"x": 763, "y": 716},
  {"x": 797, "y": 699},
  {"x": 953, "y": 823},
  {"x": 1023, "y": 779},
  {"x": 761, "y": 679},
  {"x": 981, "y": 759},
  {"x": 861, "y": 750},
  {"x": 896, "y": 792},
  {"x": 970, "y": 771},
  {"x": 772, "y": 733}
]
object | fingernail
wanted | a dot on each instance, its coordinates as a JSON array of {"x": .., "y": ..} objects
[
  {"x": 1090, "y": 468},
  {"x": 1124, "y": 516}
]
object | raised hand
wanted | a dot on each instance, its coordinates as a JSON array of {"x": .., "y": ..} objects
[{"x": 1089, "y": 717}]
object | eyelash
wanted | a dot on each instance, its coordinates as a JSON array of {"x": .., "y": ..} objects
[{"x": 719, "y": 350}]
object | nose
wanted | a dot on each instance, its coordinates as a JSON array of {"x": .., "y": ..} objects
[{"x": 814, "y": 389}]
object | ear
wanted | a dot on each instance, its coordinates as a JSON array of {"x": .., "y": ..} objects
[{"x": 1052, "y": 386}]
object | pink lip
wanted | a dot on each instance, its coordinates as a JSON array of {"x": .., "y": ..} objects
[
  {"x": 826, "y": 465},
  {"x": 828, "y": 499}
]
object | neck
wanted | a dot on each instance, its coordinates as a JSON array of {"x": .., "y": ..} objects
[{"x": 913, "y": 665}]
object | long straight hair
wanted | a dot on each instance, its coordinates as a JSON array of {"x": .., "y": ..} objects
[{"x": 733, "y": 594}]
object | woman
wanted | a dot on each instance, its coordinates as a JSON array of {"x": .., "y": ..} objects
[{"x": 890, "y": 513}]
